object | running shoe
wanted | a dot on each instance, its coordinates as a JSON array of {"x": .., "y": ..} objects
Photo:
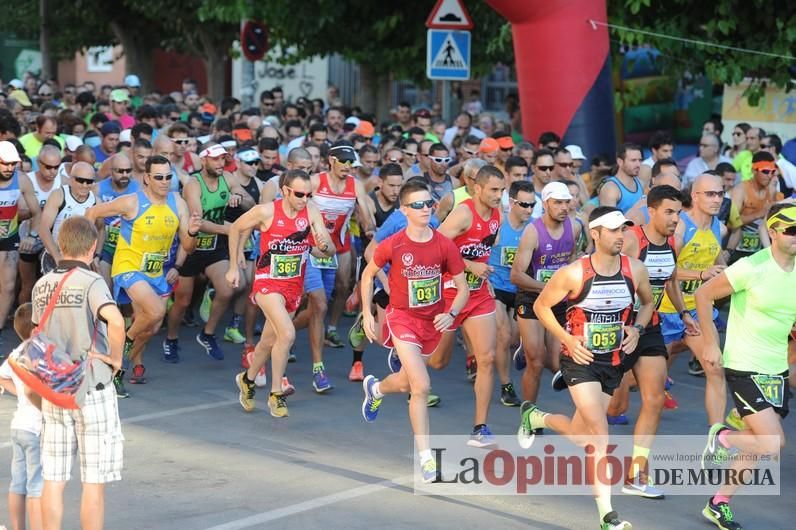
[
  {"x": 246, "y": 396},
  {"x": 320, "y": 381},
  {"x": 128, "y": 347},
  {"x": 287, "y": 388},
  {"x": 291, "y": 357},
  {"x": 332, "y": 339},
  {"x": 735, "y": 420},
  {"x": 234, "y": 336},
  {"x": 356, "y": 335},
  {"x": 642, "y": 486},
  {"x": 357, "y": 372},
  {"x": 118, "y": 382},
  {"x": 429, "y": 470},
  {"x": 138, "y": 377},
  {"x": 393, "y": 362},
  {"x": 519, "y": 358},
  {"x": 482, "y": 438},
  {"x": 558, "y": 382},
  {"x": 244, "y": 357},
  {"x": 470, "y": 368},
  {"x": 619, "y": 419},
  {"x": 668, "y": 401},
  {"x": 371, "y": 404},
  {"x": 695, "y": 368},
  {"x": 207, "y": 304},
  {"x": 721, "y": 515},
  {"x": 188, "y": 319},
  {"x": 277, "y": 405},
  {"x": 669, "y": 383},
  {"x": 508, "y": 396},
  {"x": 171, "y": 351},
  {"x": 611, "y": 521},
  {"x": 260, "y": 380},
  {"x": 208, "y": 342},
  {"x": 431, "y": 401},
  {"x": 715, "y": 454},
  {"x": 531, "y": 419}
]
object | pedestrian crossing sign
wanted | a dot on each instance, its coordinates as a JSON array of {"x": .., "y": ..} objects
[{"x": 448, "y": 55}]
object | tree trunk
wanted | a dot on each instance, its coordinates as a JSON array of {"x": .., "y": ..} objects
[
  {"x": 47, "y": 70},
  {"x": 139, "y": 56},
  {"x": 216, "y": 60},
  {"x": 368, "y": 88}
]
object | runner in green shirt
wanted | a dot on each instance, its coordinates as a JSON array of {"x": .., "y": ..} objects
[{"x": 762, "y": 312}]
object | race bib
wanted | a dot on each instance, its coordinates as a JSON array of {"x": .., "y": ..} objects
[
  {"x": 507, "y": 256},
  {"x": 772, "y": 387},
  {"x": 424, "y": 292},
  {"x": 750, "y": 241},
  {"x": 544, "y": 275},
  {"x": 113, "y": 235},
  {"x": 473, "y": 282},
  {"x": 603, "y": 337},
  {"x": 152, "y": 262},
  {"x": 5, "y": 224},
  {"x": 205, "y": 241},
  {"x": 249, "y": 245},
  {"x": 657, "y": 295},
  {"x": 690, "y": 286},
  {"x": 324, "y": 263},
  {"x": 286, "y": 266}
]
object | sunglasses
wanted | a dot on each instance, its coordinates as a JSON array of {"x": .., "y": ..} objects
[
  {"x": 252, "y": 163},
  {"x": 344, "y": 162},
  {"x": 507, "y": 149},
  {"x": 768, "y": 171},
  {"x": 712, "y": 194},
  {"x": 565, "y": 165},
  {"x": 124, "y": 170},
  {"x": 300, "y": 194},
  {"x": 440, "y": 159},
  {"x": 471, "y": 153},
  {"x": 545, "y": 168},
  {"x": 419, "y": 205},
  {"x": 788, "y": 231},
  {"x": 526, "y": 205},
  {"x": 81, "y": 180},
  {"x": 409, "y": 153},
  {"x": 48, "y": 166},
  {"x": 158, "y": 176}
]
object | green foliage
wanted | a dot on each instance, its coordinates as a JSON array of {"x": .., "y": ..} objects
[{"x": 764, "y": 25}]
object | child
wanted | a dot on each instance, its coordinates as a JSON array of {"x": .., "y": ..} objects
[{"x": 24, "y": 493}]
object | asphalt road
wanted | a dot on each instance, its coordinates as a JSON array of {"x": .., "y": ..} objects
[{"x": 194, "y": 460}]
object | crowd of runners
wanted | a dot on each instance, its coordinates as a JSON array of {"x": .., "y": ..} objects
[{"x": 289, "y": 215}]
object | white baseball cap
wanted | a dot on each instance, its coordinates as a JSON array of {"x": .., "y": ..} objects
[
  {"x": 8, "y": 153},
  {"x": 612, "y": 220},
  {"x": 132, "y": 81},
  {"x": 72, "y": 142},
  {"x": 214, "y": 151},
  {"x": 16, "y": 83},
  {"x": 126, "y": 135},
  {"x": 556, "y": 190},
  {"x": 576, "y": 152}
]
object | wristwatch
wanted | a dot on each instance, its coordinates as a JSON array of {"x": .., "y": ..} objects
[
  {"x": 453, "y": 313},
  {"x": 683, "y": 313},
  {"x": 640, "y": 329}
]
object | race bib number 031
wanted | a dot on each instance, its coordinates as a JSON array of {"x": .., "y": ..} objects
[
  {"x": 424, "y": 292},
  {"x": 285, "y": 266},
  {"x": 603, "y": 337}
]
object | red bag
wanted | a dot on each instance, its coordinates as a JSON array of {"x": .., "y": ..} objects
[{"x": 48, "y": 370}]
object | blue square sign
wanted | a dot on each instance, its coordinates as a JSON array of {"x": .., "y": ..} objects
[{"x": 448, "y": 54}]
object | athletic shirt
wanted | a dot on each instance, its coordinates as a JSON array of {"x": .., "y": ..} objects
[
  {"x": 71, "y": 207},
  {"x": 214, "y": 207},
  {"x": 750, "y": 236},
  {"x": 9, "y": 207},
  {"x": 600, "y": 311},
  {"x": 476, "y": 244},
  {"x": 460, "y": 195},
  {"x": 439, "y": 189},
  {"x": 253, "y": 190},
  {"x": 548, "y": 256},
  {"x": 417, "y": 271},
  {"x": 661, "y": 262},
  {"x": 187, "y": 164},
  {"x": 381, "y": 214},
  {"x": 336, "y": 209},
  {"x": 41, "y": 196},
  {"x": 107, "y": 193},
  {"x": 284, "y": 247},
  {"x": 700, "y": 249},
  {"x": 145, "y": 241},
  {"x": 627, "y": 198},
  {"x": 502, "y": 256}
]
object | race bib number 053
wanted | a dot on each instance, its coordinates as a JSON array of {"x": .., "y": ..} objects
[{"x": 603, "y": 337}]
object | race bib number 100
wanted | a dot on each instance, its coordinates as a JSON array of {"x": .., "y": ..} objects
[
  {"x": 424, "y": 292},
  {"x": 152, "y": 263},
  {"x": 603, "y": 337}
]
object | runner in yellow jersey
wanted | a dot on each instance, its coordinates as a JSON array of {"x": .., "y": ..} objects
[
  {"x": 698, "y": 240},
  {"x": 150, "y": 220}
]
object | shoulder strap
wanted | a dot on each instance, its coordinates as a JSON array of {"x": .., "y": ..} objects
[{"x": 53, "y": 298}]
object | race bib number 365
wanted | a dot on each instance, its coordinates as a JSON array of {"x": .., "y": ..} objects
[
  {"x": 424, "y": 292},
  {"x": 285, "y": 266},
  {"x": 603, "y": 337}
]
